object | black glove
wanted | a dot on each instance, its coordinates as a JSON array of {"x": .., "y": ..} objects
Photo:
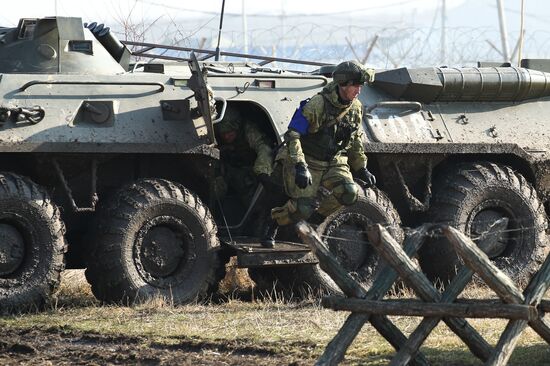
[
  {"x": 303, "y": 176},
  {"x": 367, "y": 177},
  {"x": 265, "y": 180}
]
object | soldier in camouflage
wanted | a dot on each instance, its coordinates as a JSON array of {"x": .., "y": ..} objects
[
  {"x": 246, "y": 156},
  {"x": 324, "y": 148}
]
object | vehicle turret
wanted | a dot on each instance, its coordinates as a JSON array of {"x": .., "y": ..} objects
[{"x": 59, "y": 45}]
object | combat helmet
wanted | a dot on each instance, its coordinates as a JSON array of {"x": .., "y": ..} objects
[
  {"x": 230, "y": 122},
  {"x": 352, "y": 72}
]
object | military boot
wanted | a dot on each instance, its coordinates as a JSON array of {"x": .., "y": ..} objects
[
  {"x": 316, "y": 218},
  {"x": 269, "y": 233}
]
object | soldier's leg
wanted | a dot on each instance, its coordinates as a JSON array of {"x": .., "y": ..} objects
[
  {"x": 302, "y": 202},
  {"x": 343, "y": 190},
  {"x": 294, "y": 210},
  {"x": 242, "y": 182}
]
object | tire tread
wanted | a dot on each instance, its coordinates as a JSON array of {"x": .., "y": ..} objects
[{"x": 105, "y": 273}]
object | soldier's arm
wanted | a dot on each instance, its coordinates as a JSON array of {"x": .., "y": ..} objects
[
  {"x": 295, "y": 153},
  {"x": 313, "y": 111},
  {"x": 259, "y": 142},
  {"x": 312, "y": 114},
  {"x": 356, "y": 152}
]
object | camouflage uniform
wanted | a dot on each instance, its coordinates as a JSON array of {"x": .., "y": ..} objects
[
  {"x": 243, "y": 159},
  {"x": 331, "y": 146}
]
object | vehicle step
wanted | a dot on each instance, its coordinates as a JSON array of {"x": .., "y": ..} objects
[{"x": 251, "y": 253}]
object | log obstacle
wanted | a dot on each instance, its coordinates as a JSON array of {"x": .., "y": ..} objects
[{"x": 523, "y": 309}]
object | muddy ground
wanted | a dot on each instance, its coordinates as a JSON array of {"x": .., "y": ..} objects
[
  {"x": 79, "y": 331},
  {"x": 58, "y": 347}
]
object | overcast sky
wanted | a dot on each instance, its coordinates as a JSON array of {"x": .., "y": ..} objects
[
  {"x": 469, "y": 12},
  {"x": 105, "y": 9},
  {"x": 466, "y": 21}
]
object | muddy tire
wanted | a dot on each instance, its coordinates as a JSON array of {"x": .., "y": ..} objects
[
  {"x": 155, "y": 239},
  {"x": 345, "y": 233},
  {"x": 471, "y": 198},
  {"x": 32, "y": 244}
]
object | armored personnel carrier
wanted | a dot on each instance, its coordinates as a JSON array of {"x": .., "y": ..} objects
[{"x": 109, "y": 167}]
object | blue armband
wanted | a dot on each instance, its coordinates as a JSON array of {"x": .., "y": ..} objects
[{"x": 299, "y": 122}]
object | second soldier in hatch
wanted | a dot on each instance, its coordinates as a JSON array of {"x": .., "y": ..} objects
[
  {"x": 245, "y": 154},
  {"x": 324, "y": 148},
  {"x": 246, "y": 159}
]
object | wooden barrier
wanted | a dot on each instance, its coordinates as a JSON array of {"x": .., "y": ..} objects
[{"x": 523, "y": 309}]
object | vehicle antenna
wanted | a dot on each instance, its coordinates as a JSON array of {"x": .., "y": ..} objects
[
  {"x": 220, "y": 33},
  {"x": 521, "y": 31}
]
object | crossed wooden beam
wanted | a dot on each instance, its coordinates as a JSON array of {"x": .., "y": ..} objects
[{"x": 524, "y": 309}]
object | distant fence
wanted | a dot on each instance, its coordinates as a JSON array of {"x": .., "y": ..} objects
[
  {"x": 523, "y": 309},
  {"x": 388, "y": 46}
]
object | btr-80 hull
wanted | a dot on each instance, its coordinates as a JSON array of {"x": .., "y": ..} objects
[{"x": 115, "y": 170}]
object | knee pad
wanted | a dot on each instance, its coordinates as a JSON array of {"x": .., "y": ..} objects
[{"x": 346, "y": 193}]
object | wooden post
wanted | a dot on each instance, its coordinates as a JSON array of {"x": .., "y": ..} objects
[
  {"x": 478, "y": 261},
  {"x": 336, "y": 349},
  {"x": 489, "y": 244},
  {"x": 533, "y": 295},
  {"x": 506, "y": 290},
  {"x": 544, "y": 305},
  {"x": 411, "y": 307},
  {"x": 391, "y": 252},
  {"x": 534, "y": 292},
  {"x": 524, "y": 309},
  {"x": 542, "y": 327},
  {"x": 539, "y": 284},
  {"x": 397, "y": 339}
]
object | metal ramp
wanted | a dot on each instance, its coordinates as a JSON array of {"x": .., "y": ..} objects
[{"x": 250, "y": 253}]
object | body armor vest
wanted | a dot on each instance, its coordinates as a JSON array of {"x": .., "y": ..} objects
[{"x": 333, "y": 136}]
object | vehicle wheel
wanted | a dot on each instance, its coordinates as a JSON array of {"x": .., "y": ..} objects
[
  {"x": 345, "y": 233},
  {"x": 154, "y": 239},
  {"x": 32, "y": 244},
  {"x": 472, "y": 198}
]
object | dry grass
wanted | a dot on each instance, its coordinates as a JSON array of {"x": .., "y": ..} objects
[
  {"x": 297, "y": 330},
  {"x": 74, "y": 291},
  {"x": 236, "y": 279}
]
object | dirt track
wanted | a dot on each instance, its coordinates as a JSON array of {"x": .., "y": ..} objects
[{"x": 58, "y": 347}]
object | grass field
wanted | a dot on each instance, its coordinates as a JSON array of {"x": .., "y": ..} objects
[{"x": 75, "y": 329}]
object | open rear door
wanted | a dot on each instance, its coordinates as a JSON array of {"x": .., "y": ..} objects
[{"x": 204, "y": 99}]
